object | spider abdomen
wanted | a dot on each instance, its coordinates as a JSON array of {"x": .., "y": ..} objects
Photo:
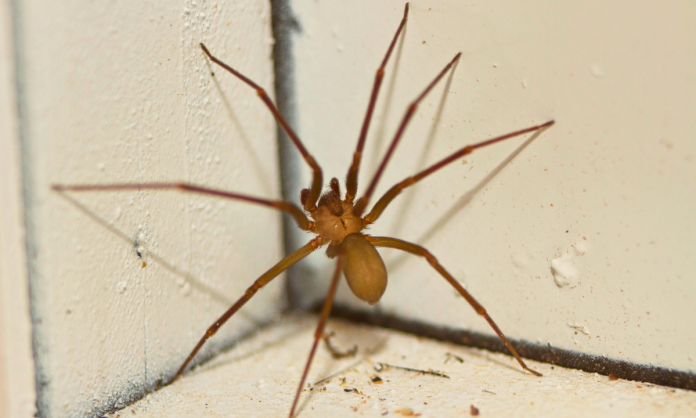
[{"x": 364, "y": 269}]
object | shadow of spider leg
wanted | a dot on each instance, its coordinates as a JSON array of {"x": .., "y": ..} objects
[{"x": 299, "y": 216}]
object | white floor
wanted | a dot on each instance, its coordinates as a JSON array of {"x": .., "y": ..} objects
[{"x": 258, "y": 378}]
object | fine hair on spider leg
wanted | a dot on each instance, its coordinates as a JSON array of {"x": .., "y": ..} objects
[{"x": 337, "y": 222}]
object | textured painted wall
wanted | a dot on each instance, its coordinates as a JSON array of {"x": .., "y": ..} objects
[
  {"x": 585, "y": 239},
  {"x": 121, "y": 93}
]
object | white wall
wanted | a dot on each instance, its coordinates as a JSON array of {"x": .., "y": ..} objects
[
  {"x": 121, "y": 92},
  {"x": 607, "y": 196}
]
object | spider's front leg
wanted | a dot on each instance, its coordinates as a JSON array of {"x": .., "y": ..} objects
[{"x": 315, "y": 191}]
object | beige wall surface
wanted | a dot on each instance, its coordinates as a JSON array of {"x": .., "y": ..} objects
[
  {"x": 120, "y": 92},
  {"x": 582, "y": 238},
  {"x": 585, "y": 239}
]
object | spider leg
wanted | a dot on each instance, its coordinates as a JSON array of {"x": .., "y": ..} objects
[
  {"x": 291, "y": 208},
  {"x": 319, "y": 331},
  {"x": 283, "y": 265},
  {"x": 420, "y": 251},
  {"x": 352, "y": 177},
  {"x": 315, "y": 191},
  {"x": 410, "y": 111},
  {"x": 384, "y": 201}
]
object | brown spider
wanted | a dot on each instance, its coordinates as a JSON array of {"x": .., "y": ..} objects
[{"x": 338, "y": 222}]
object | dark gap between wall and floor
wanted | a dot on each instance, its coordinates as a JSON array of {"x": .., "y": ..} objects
[
  {"x": 285, "y": 26},
  {"x": 545, "y": 353}
]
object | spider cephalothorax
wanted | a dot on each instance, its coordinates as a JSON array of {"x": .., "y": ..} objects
[{"x": 333, "y": 218}]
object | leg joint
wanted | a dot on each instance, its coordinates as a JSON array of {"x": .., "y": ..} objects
[{"x": 212, "y": 330}]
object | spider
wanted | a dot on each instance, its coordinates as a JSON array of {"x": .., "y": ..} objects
[{"x": 338, "y": 219}]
